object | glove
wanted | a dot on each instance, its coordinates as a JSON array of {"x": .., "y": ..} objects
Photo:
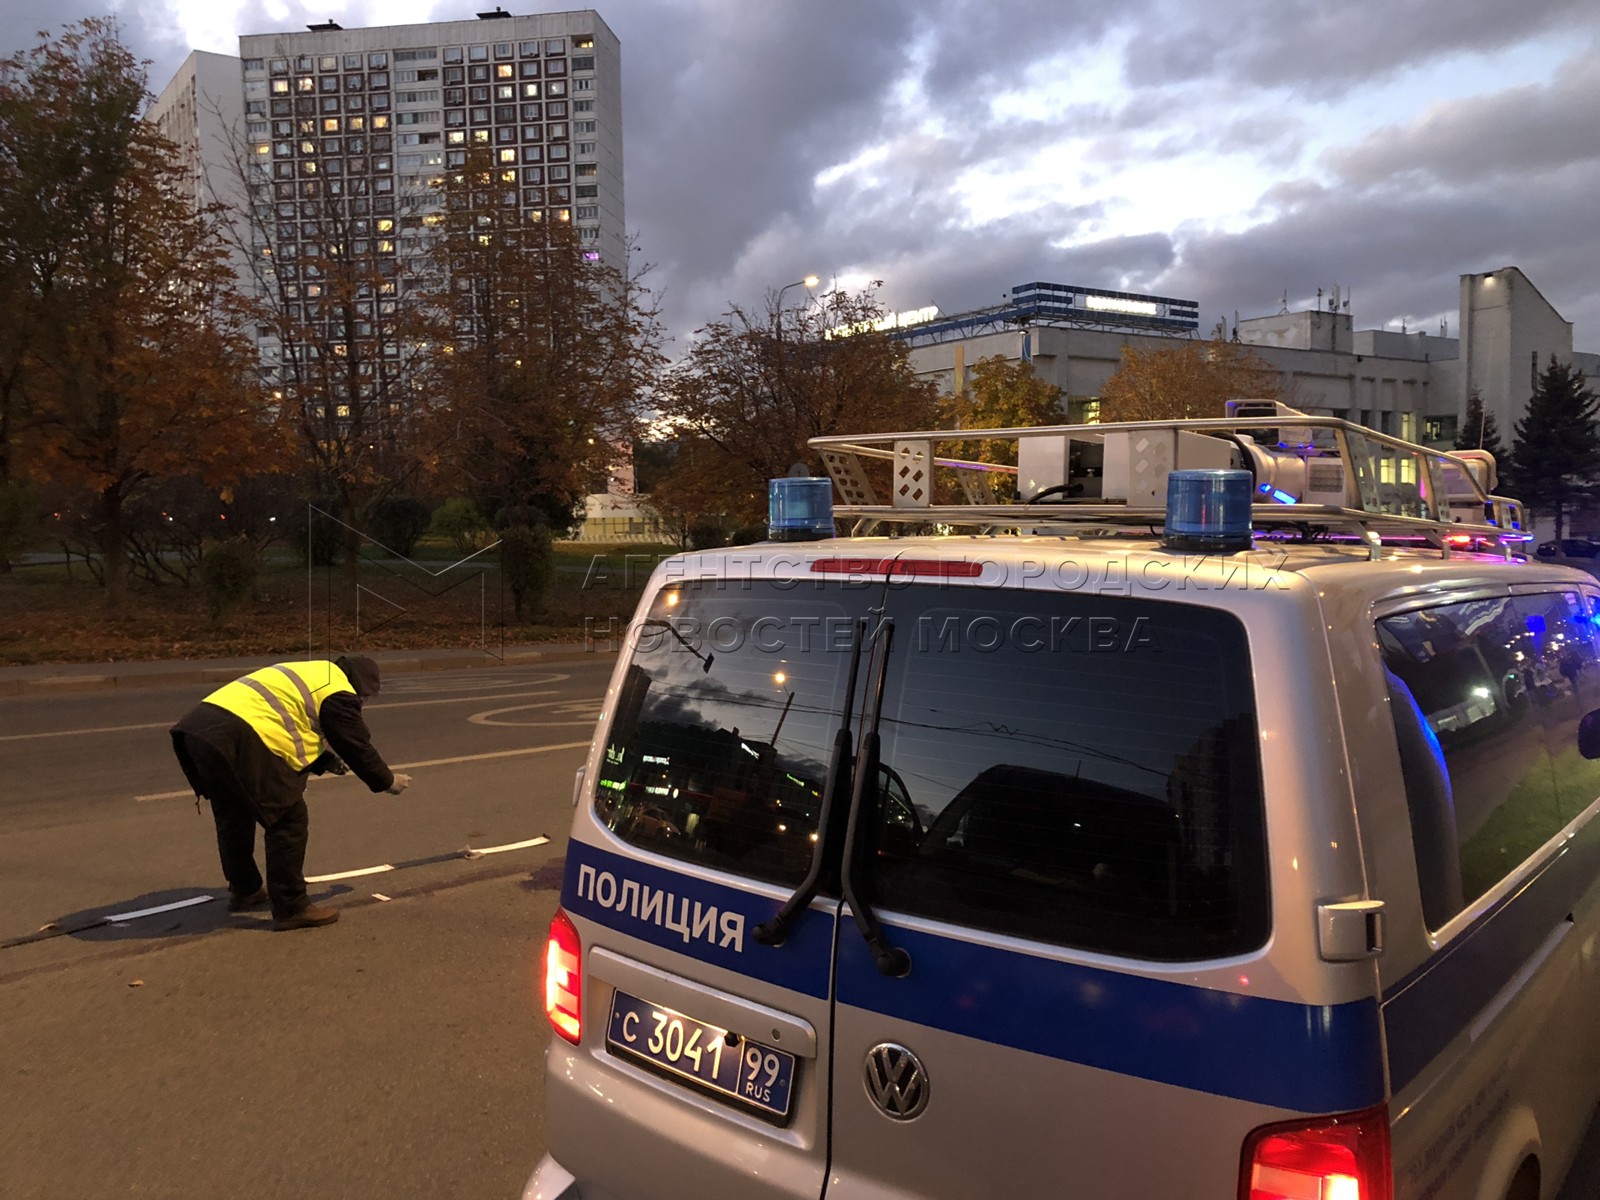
[{"x": 400, "y": 784}]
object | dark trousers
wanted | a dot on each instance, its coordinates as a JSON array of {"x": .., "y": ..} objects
[{"x": 236, "y": 815}]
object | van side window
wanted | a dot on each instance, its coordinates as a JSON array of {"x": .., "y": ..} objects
[
  {"x": 1473, "y": 672},
  {"x": 1083, "y": 771},
  {"x": 1566, "y": 685}
]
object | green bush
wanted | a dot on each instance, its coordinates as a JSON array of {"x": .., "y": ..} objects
[
  {"x": 396, "y": 522},
  {"x": 527, "y": 565},
  {"x": 228, "y": 573},
  {"x": 317, "y": 536},
  {"x": 459, "y": 521}
]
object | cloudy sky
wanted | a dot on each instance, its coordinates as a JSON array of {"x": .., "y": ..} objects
[{"x": 1227, "y": 152}]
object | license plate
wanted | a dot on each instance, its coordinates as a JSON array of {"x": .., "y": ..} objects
[{"x": 734, "y": 1067}]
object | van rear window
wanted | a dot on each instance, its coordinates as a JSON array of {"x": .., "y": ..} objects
[{"x": 1077, "y": 770}]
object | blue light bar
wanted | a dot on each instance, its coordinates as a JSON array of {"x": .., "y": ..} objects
[
  {"x": 1208, "y": 511},
  {"x": 799, "y": 510}
]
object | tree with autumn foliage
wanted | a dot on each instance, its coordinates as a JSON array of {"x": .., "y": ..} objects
[
  {"x": 756, "y": 386},
  {"x": 1186, "y": 379},
  {"x": 130, "y": 360},
  {"x": 999, "y": 394},
  {"x": 539, "y": 355}
]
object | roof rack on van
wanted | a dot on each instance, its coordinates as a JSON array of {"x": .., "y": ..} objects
[{"x": 1313, "y": 477}]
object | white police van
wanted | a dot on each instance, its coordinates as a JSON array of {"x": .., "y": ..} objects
[{"x": 1239, "y": 846}]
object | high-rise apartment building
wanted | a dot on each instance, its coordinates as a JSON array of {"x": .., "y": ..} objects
[
  {"x": 382, "y": 112},
  {"x": 330, "y": 143}
]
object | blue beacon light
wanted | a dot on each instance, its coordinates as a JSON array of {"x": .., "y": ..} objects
[
  {"x": 1209, "y": 511},
  {"x": 799, "y": 509}
]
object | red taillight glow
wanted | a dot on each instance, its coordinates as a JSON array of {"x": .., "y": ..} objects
[
  {"x": 1343, "y": 1157},
  {"x": 936, "y": 567},
  {"x": 563, "y": 980}
]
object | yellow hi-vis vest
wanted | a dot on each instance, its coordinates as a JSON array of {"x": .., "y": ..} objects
[{"x": 280, "y": 703}]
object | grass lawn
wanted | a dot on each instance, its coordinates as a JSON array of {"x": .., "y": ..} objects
[{"x": 51, "y": 614}]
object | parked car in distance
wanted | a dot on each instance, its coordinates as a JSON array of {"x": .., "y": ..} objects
[{"x": 1569, "y": 548}]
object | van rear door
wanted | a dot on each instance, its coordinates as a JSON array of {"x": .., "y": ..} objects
[
  {"x": 1067, "y": 845},
  {"x": 702, "y": 1066}
]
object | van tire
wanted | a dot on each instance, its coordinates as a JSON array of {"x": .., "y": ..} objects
[{"x": 1525, "y": 1183}]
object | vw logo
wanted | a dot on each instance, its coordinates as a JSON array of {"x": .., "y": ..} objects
[{"x": 896, "y": 1081}]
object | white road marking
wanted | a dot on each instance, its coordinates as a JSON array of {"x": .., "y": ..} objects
[
  {"x": 430, "y": 762},
  {"x": 538, "y": 841},
  {"x": 118, "y": 918},
  {"x": 349, "y": 874},
  {"x": 22, "y": 737},
  {"x": 586, "y": 712},
  {"x": 376, "y": 705},
  {"x": 412, "y": 685},
  {"x": 385, "y": 705},
  {"x": 445, "y": 762}
]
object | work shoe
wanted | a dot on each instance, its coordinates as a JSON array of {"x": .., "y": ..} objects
[
  {"x": 307, "y": 918},
  {"x": 238, "y": 902}
]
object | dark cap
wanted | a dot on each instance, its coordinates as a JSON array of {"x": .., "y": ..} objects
[{"x": 362, "y": 673}]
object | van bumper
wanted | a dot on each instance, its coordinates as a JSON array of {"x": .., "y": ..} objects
[{"x": 551, "y": 1181}]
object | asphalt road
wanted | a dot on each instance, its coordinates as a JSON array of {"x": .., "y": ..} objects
[
  {"x": 189, "y": 1054},
  {"x": 192, "y": 1054}
]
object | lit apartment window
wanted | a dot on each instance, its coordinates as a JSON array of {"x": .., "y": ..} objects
[
  {"x": 505, "y": 71},
  {"x": 530, "y": 91},
  {"x": 583, "y": 41}
]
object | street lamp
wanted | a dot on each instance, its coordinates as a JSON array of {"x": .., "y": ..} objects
[{"x": 810, "y": 281}]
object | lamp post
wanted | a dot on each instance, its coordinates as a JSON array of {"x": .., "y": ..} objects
[{"x": 810, "y": 281}]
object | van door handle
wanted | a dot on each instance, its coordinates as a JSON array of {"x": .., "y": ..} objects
[{"x": 1350, "y": 930}]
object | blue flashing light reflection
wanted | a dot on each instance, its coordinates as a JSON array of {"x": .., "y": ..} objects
[{"x": 1535, "y": 623}]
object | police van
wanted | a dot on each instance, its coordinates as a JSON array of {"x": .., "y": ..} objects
[{"x": 1194, "y": 809}]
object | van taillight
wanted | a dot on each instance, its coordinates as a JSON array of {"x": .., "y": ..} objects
[
  {"x": 563, "y": 981},
  {"x": 1344, "y": 1157}
]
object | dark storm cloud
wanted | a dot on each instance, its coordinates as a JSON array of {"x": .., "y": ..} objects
[
  {"x": 146, "y": 27},
  {"x": 1532, "y": 128},
  {"x": 767, "y": 139},
  {"x": 1312, "y": 48}
]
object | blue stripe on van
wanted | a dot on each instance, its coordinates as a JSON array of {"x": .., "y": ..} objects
[
  {"x": 1428, "y": 1009},
  {"x": 802, "y": 964},
  {"x": 1305, "y": 1057},
  {"x": 1301, "y": 1057}
]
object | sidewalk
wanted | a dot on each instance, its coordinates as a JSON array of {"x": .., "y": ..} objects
[{"x": 50, "y": 679}]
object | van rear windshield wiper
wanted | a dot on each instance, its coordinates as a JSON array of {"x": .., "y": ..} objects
[
  {"x": 830, "y": 824},
  {"x": 890, "y": 960}
]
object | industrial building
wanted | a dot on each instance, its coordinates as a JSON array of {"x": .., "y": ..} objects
[{"x": 1414, "y": 385}]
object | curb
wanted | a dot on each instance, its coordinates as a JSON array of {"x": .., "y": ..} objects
[{"x": 152, "y": 674}]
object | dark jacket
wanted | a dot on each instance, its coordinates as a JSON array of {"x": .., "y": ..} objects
[{"x": 267, "y": 781}]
